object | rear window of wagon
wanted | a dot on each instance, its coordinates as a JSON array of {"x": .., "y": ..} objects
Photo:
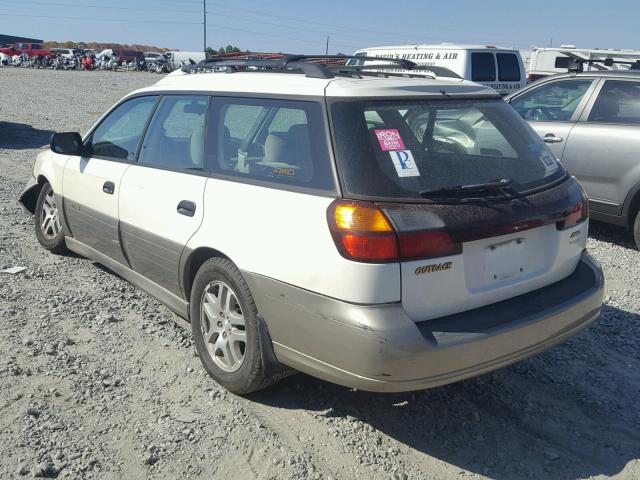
[{"x": 396, "y": 149}]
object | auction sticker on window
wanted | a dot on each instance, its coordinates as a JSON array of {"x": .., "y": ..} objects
[
  {"x": 549, "y": 161},
  {"x": 389, "y": 139},
  {"x": 404, "y": 163},
  {"x": 547, "y": 158}
]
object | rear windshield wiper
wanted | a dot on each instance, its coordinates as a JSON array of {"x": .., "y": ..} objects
[{"x": 498, "y": 186}]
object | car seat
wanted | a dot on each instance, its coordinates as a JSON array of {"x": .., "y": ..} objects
[{"x": 291, "y": 149}]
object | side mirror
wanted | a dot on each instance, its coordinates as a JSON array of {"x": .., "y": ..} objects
[{"x": 68, "y": 143}]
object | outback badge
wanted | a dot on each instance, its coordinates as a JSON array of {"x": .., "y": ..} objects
[{"x": 436, "y": 267}]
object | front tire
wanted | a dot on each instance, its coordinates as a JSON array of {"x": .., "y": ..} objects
[
  {"x": 636, "y": 230},
  {"x": 224, "y": 323},
  {"x": 48, "y": 224}
]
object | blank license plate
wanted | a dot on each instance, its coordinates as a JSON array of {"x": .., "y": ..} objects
[{"x": 505, "y": 260}]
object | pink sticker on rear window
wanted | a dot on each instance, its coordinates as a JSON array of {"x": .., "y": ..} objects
[{"x": 389, "y": 139}]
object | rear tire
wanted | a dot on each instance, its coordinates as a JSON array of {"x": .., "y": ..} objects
[
  {"x": 48, "y": 224},
  {"x": 224, "y": 323},
  {"x": 636, "y": 230}
]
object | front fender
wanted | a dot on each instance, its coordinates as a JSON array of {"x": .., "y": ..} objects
[{"x": 29, "y": 195}]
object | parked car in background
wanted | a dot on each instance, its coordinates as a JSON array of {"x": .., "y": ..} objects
[
  {"x": 29, "y": 49},
  {"x": 553, "y": 60},
  {"x": 125, "y": 56},
  {"x": 67, "y": 52},
  {"x": 591, "y": 122},
  {"x": 365, "y": 229},
  {"x": 152, "y": 57},
  {"x": 499, "y": 68}
]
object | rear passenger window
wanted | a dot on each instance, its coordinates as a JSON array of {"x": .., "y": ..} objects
[
  {"x": 508, "y": 67},
  {"x": 273, "y": 140},
  {"x": 617, "y": 102},
  {"x": 483, "y": 67},
  {"x": 175, "y": 138}
]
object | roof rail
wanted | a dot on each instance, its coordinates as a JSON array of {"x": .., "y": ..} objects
[{"x": 314, "y": 66}]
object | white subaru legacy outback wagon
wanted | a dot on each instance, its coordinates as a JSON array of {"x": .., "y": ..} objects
[{"x": 373, "y": 229}]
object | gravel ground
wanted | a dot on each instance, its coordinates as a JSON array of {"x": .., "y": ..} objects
[{"x": 98, "y": 380}]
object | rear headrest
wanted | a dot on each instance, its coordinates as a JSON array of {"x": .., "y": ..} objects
[
  {"x": 276, "y": 148},
  {"x": 299, "y": 132}
]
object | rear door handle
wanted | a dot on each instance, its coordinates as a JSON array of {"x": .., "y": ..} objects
[
  {"x": 551, "y": 138},
  {"x": 109, "y": 187},
  {"x": 185, "y": 207}
]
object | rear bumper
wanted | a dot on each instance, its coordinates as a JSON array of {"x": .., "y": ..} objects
[{"x": 378, "y": 348}]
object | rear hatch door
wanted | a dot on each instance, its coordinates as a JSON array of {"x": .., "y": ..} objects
[{"x": 417, "y": 157}]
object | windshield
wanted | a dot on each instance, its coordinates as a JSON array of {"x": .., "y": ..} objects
[{"x": 398, "y": 149}]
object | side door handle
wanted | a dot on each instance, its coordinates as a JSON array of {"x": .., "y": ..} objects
[
  {"x": 552, "y": 138},
  {"x": 109, "y": 187},
  {"x": 185, "y": 207}
]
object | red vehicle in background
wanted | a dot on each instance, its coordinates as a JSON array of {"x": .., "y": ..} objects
[{"x": 30, "y": 49}]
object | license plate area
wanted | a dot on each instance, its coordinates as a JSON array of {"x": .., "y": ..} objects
[{"x": 505, "y": 260}]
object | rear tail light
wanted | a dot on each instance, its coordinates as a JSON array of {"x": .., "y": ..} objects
[
  {"x": 578, "y": 213},
  {"x": 362, "y": 232}
]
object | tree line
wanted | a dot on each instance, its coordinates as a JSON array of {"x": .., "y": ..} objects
[{"x": 223, "y": 50}]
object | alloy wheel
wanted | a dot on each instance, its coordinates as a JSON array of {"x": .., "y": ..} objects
[
  {"x": 50, "y": 217},
  {"x": 223, "y": 327}
]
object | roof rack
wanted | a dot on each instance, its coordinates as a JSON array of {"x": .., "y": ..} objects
[
  {"x": 317, "y": 66},
  {"x": 576, "y": 63}
]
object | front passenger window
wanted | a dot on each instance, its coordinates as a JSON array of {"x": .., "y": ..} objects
[
  {"x": 175, "y": 138},
  {"x": 553, "y": 102},
  {"x": 119, "y": 133}
]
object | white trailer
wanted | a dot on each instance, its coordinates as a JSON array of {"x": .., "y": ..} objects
[
  {"x": 552, "y": 60},
  {"x": 175, "y": 58}
]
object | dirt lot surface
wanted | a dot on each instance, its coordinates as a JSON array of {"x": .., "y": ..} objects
[{"x": 98, "y": 380}]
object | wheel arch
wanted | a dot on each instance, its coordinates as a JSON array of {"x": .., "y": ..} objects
[
  {"x": 29, "y": 197},
  {"x": 192, "y": 261},
  {"x": 632, "y": 205}
]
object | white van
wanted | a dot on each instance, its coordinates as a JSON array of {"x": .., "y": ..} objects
[
  {"x": 176, "y": 57},
  {"x": 499, "y": 68},
  {"x": 553, "y": 60}
]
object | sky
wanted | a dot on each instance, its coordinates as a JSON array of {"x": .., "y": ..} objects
[{"x": 303, "y": 27}]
